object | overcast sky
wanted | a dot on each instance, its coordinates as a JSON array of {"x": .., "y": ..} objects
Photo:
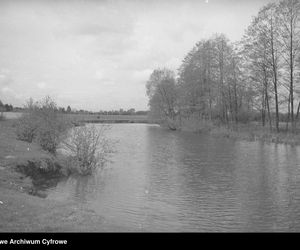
[{"x": 98, "y": 55}]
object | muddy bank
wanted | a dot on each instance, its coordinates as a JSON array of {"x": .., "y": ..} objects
[{"x": 43, "y": 173}]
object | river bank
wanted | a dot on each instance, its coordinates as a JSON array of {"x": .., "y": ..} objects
[
  {"x": 22, "y": 207},
  {"x": 257, "y": 133},
  {"x": 252, "y": 131}
]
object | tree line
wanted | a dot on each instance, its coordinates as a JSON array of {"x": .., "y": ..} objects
[
  {"x": 256, "y": 77},
  {"x": 5, "y": 107},
  {"x": 69, "y": 110}
]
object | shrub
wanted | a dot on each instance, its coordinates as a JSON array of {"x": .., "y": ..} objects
[
  {"x": 43, "y": 123},
  {"x": 26, "y": 127},
  {"x": 48, "y": 139},
  {"x": 88, "y": 148}
]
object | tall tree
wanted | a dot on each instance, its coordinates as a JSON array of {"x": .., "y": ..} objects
[
  {"x": 161, "y": 90},
  {"x": 288, "y": 15},
  {"x": 261, "y": 50},
  {"x": 69, "y": 110}
]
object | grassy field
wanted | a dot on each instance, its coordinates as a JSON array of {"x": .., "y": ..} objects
[
  {"x": 12, "y": 115},
  {"x": 92, "y": 117},
  {"x": 108, "y": 118}
]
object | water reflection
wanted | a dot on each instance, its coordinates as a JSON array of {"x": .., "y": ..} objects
[{"x": 168, "y": 181}]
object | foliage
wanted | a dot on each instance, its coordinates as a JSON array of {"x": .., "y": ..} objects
[
  {"x": 232, "y": 83},
  {"x": 161, "y": 90},
  {"x": 88, "y": 148},
  {"x": 43, "y": 123},
  {"x": 5, "y": 107}
]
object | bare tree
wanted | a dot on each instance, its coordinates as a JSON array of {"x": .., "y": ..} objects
[
  {"x": 161, "y": 90},
  {"x": 288, "y": 16}
]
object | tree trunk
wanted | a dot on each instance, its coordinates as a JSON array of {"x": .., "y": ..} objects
[{"x": 268, "y": 109}]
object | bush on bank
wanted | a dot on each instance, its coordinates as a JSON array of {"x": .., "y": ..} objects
[
  {"x": 87, "y": 148},
  {"x": 84, "y": 148},
  {"x": 44, "y": 124}
]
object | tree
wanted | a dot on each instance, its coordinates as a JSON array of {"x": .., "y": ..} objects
[
  {"x": 195, "y": 81},
  {"x": 161, "y": 90},
  {"x": 210, "y": 81},
  {"x": 261, "y": 51},
  {"x": 288, "y": 15},
  {"x": 1, "y": 111},
  {"x": 227, "y": 82},
  {"x": 69, "y": 109}
]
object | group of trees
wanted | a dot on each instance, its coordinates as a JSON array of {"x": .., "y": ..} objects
[
  {"x": 69, "y": 110},
  {"x": 63, "y": 110},
  {"x": 5, "y": 107},
  {"x": 232, "y": 82},
  {"x": 131, "y": 111}
]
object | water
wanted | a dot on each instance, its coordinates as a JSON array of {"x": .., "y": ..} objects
[{"x": 169, "y": 181}]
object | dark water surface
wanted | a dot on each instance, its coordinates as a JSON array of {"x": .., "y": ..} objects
[{"x": 169, "y": 181}]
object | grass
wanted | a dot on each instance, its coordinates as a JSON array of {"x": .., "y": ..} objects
[
  {"x": 86, "y": 117},
  {"x": 250, "y": 132},
  {"x": 254, "y": 132},
  {"x": 92, "y": 117},
  {"x": 12, "y": 115},
  {"x": 12, "y": 150}
]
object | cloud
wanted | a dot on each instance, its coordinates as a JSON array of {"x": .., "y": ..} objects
[
  {"x": 99, "y": 54},
  {"x": 142, "y": 75},
  {"x": 103, "y": 29},
  {"x": 41, "y": 85},
  {"x": 9, "y": 95},
  {"x": 5, "y": 78}
]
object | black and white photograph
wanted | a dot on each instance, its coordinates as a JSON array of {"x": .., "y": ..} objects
[{"x": 147, "y": 116}]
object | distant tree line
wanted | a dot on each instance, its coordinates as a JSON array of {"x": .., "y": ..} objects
[
  {"x": 5, "y": 107},
  {"x": 123, "y": 112},
  {"x": 69, "y": 110},
  {"x": 103, "y": 112},
  {"x": 255, "y": 78}
]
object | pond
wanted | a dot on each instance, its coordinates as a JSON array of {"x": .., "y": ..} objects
[{"x": 161, "y": 180}]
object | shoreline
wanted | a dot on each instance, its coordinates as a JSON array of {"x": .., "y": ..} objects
[
  {"x": 23, "y": 209},
  {"x": 244, "y": 132}
]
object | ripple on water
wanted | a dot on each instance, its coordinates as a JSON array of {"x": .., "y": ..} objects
[{"x": 169, "y": 181}]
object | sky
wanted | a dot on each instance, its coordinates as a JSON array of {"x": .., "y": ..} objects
[{"x": 98, "y": 55}]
